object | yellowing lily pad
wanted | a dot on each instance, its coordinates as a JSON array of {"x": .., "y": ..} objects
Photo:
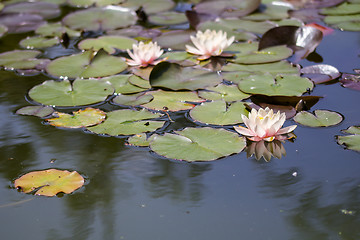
[
  {"x": 219, "y": 112},
  {"x": 352, "y": 141},
  {"x": 82, "y": 118},
  {"x": 64, "y": 93},
  {"x": 197, "y": 144},
  {"x": 128, "y": 122},
  {"x": 50, "y": 182},
  {"x": 88, "y": 64},
  {"x": 321, "y": 118}
]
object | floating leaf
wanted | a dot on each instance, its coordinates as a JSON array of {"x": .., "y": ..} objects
[
  {"x": 342, "y": 9},
  {"x": 133, "y": 99},
  {"x": 56, "y": 30},
  {"x": 21, "y": 59},
  {"x": 80, "y": 92},
  {"x": 20, "y": 23},
  {"x": 351, "y": 81},
  {"x": 95, "y": 19},
  {"x": 174, "y": 76},
  {"x": 128, "y": 122},
  {"x": 86, "y": 65},
  {"x": 227, "y": 8},
  {"x": 108, "y": 43},
  {"x": 321, "y": 118},
  {"x": 88, "y": 3},
  {"x": 172, "y": 101},
  {"x": 321, "y": 73},
  {"x": 352, "y": 141},
  {"x": 198, "y": 144},
  {"x": 122, "y": 83},
  {"x": 50, "y": 182},
  {"x": 219, "y": 113},
  {"x": 82, "y": 118},
  {"x": 139, "y": 140},
  {"x": 168, "y": 18},
  {"x": 284, "y": 85},
  {"x": 176, "y": 39},
  {"x": 150, "y": 7},
  {"x": 270, "y": 12},
  {"x": 44, "y": 9},
  {"x": 38, "y": 42},
  {"x": 229, "y": 93},
  {"x": 38, "y": 111}
]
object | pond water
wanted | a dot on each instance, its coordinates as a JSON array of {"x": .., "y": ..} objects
[{"x": 131, "y": 193}]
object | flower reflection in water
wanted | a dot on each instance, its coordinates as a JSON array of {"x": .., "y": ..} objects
[{"x": 265, "y": 150}]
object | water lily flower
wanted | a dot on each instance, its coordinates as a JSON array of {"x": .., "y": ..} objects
[
  {"x": 209, "y": 43},
  {"x": 144, "y": 54},
  {"x": 264, "y": 125}
]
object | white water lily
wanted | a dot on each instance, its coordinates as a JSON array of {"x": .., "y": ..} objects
[
  {"x": 209, "y": 43},
  {"x": 144, "y": 54},
  {"x": 264, "y": 125}
]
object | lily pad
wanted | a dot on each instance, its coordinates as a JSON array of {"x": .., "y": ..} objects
[
  {"x": 100, "y": 19},
  {"x": 198, "y": 144},
  {"x": 82, "y": 118},
  {"x": 89, "y": 3},
  {"x": 168, "y": 18},
  {"x": 50, "y": 182},
  {"x": 321, "y": 118},
  {"x": 342, "y": 9},
  {"x": 38, "y": 111},
  {"x": 228, "y": 93},
  {"x": 351, "y": 81},
  {"x": 64, "y": 93},
  {"x": 21, "y": 59},
  {"x": 139, "y": 140},
  {"x": 38, "y": 42},
  {"x": 149, "y": 7},
  {"x": 122, "y": 83},
  {"x": 320, "y": 73},
  {"x": 176, "y": 39},
  {"x": 352, "y": 141},
  {"x": 108, "y": 43},
  {"x": 174, "y": 76},
  {"x": 172, "y": 101},
  {"x": 128, "y": 122},
  {"x": 132, "y": 99},
  {"x": 228, "y": 8},
  {"x": 283, "y": 85},
  {"x": 86, "y": 65},
  {"x": 20, "y": 23},
  {"x": 219, "y": 113},
  {"x": 56, "y": 30},
  {"x": 45, "y": 9}
]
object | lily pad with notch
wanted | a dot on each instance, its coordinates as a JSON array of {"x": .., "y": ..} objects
[
  {"x": 128, "y": 122},
  {"x": 22, "y": 59},
  {"x": 132, "y": 99},
  {"x": 50, "y": 182},
  {"x": 352, "y": 141},
  {"x": 123, "y": 83},
  {"x": 320, "y": 118},
  {"x": 66, "y": 94},
  {"x": 219, "y": 112},
  {"x": 108, "y": 43},
  {"x": 228, "y": 93},
  {"x": 197, "y": 144}
]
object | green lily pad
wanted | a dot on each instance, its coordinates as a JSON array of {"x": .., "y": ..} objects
[
  {"x": 80, "y": 92},
  {"x": 174, "y": 76},
  {"x": 89, "y": 3},
  {"x": 3, "y": 30},
  {"x": 267, "y": 55},
  {"x": 172, "y": 101},
  {"x": 21, "y": 59},
  {"x": 227, "y": 8},
  {"x": 108, "y": 43},
  {"x": 149, "y": 7},
  {"x": 50, "y": 182},
  {"x": 321, "y": 118},
  {"x": 176, "y": 39},
  {"x": 122, "y": 83},
  {"x": 56, "y": 30},
  {"x": 128, "y": 122},
  {"x": 82, "y": 118},
  {"x": 352, "y": 141},
  {"x": 168, "y": 18},
  {"x": 38, "y": 111},
  {"x": 95, "y": 19},
  {"x": 133, "y": 99},
  {"x": 219, "y": 113},
  {"x": 270, "y": 12},
  {"x": 139, "y": 140},
  {"x": 86, "y": 65},
  {"x": 198, "y": 144},
  {"x": 283, "y": 85},
  {"x": 45, "y": 9},
  {"x": 342, "y": 9},
  {"x": 348, "y": 26},
  {"x": 336, "y": 19},
  {"x": 38, "y": 42},
  {"x": 228, "y": 93}
]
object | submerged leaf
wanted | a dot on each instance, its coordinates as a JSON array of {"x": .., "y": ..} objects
[
  {"x": 198, "y": 144},
  {"x": 50, "y": 182}
]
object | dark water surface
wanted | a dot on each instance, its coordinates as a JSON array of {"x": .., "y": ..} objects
[{"x": 311, "y": 193}]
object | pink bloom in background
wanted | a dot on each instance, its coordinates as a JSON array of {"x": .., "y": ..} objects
[
  {"x": 264, "y": 125},
  {"x": 144, "y": 54},
  {"x": 209, "y": 43}
]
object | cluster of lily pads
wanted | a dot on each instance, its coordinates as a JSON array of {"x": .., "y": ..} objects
[{"x": 89, "y": 56}]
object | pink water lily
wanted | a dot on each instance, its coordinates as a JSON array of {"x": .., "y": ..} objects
[
  {"x": 144, "y": 54},
  {"x": 264, "y": 125},
  {"x": 209, "y": 43}
]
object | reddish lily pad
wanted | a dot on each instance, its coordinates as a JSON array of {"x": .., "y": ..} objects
[
  {"x": 351, "y": 81},
  {"x": 320, "y": 73},
  {"x": 50, "y": 182},
  {"x": 82, "y": 118}
]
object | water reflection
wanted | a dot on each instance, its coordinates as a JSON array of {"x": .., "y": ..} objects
[{"x": 265, "y": 150}]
